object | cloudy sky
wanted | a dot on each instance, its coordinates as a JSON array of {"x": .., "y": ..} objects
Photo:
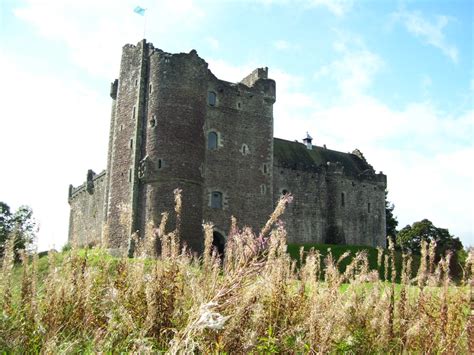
[{"x": 394, "y": 79}]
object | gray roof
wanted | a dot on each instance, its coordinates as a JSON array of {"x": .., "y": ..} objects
[{"x": 295, "y": 155}]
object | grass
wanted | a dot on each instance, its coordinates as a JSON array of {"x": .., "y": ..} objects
[{"x": 256, "y": 300}]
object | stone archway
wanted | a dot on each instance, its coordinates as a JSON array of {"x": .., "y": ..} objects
[{"x": 218, "y": 242}]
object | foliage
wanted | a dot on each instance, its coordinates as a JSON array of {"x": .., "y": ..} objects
[
  {"x": 20, "y": 224},
  {"x": 390, "y": 220},
  {"x": 410, "y": 237},
  {"x": 253, "y": 301},
  {"x": 442, "y": 242}
]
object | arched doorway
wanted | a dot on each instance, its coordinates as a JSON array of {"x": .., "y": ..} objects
[{"x": 218, "y": 242}]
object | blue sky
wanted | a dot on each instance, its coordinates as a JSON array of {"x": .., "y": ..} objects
[{"x": 394, "y": 79}]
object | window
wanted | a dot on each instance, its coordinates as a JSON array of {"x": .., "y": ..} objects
[
  {"x": 343, "y": 199},
  {"x": 284, "y": 192},
  {"x": 134, "y": 111},
  {"x": 153, "y": 121},
  {"x": 244, "y": 149},
  {"x": 136, "y": 82},
  {"x": 263, "y": 189},
  {"x": 212, "y": 140},
  {"x": 211, "y": 98},
  {"x": 265, "y": 169},
  {"x": 216, "y": 199},
  {"x": 151, "y": 89},
  {"x": 131, "y": 143},
  {"x": 160, "y": 163},
  {"x": 129, "y": 175},
  {"x": 368, "y": 207}
]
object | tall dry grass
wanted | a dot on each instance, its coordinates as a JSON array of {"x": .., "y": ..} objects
[{"x": 255, "y": 300}]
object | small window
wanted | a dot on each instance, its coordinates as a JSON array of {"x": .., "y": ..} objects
[
  {"x": 121, "y": 127},
  {"x": 134, "y": 111},
  {"x": 216, "y": 199},
  {"x": 151, "y": 88},
  {"x": 244, "y": 149},
  {"x": 160, "y": 163},
  {"x": 263, "y": 189},
  {"x": 265, "y": 169},
  {"x": 284, "y": 192},
  {"x": 212, "y": 141},
  {"x": 131, "y": 143},
  {"x": 368, "y": 207},
  {"x": 211, "y": 98},
  {"x": 136, "y": 82},
  {"x": 239, "y": 105},
  {"x": 129, "y": 175},
  {"x": 343, "y": 199},
  {"x": 153, "y": 121}
]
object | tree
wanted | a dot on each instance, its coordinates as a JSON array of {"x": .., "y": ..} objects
[
  {"x": 390, "y": 220},
  {"x": 410, "y": 237},
  {"x": 20, "y": 225}
]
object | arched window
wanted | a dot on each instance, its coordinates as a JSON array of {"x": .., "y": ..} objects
[
  {"x": 211, "y": 98},
  {"x": 212, "y": 140},
  {"x": 216, "y": 199}
]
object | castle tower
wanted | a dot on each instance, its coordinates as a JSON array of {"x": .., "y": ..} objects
[{"x": 156, "y": 142}]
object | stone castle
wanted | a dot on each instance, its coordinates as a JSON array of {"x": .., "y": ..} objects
[{"x": 175, "y": 125}]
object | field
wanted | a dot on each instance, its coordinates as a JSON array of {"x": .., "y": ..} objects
[{"x": 257, "y": 300}]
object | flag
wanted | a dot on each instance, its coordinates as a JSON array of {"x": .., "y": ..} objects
[{"x": 139, "y": 10}]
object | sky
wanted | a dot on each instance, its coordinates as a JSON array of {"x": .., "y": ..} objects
[{"x": 394, "y": 79}]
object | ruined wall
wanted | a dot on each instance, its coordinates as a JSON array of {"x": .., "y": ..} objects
[
  {"x": 240, "y": 166},
  {"x": 87, "y": 210}
]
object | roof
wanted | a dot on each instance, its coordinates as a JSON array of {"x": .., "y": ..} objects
[{"x": 296, "y": 155}]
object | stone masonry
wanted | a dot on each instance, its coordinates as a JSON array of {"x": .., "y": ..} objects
[{"x": 175, "y": 125}]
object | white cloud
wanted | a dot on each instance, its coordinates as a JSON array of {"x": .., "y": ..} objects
[
  {"x": 281, "y": 45},
  {"x": 355, "y": 68},
  {"x": 336, "y": 7},
  {"x": 51, "y": 134},
  {"x": 213, "y": 42},
  {"x": 431, "y": 33},
  {"x": 95, "y": 31}
]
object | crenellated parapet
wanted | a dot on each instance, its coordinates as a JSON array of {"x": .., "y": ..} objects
[{"x": 92, "y": 179}]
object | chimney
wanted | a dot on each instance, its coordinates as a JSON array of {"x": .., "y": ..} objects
[{"x": 307, "y": 141}]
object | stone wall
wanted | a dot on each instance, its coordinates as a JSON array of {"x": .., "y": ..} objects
[
  {"x": 240, "y": 166},
  {"x": 337, "y": 197},
  {"x": 87, "y": 210}
]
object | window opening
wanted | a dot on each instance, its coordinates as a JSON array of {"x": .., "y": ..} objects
[
  {"x": 153, "y": 121},
  {"x": 263, "y": 189},
  {"x": 129, "y": 175},
  {"x": 284, "y": 192},
  {"x": 131, "y": 143},
  {"x": 264, "y": 168},
  {"x": 151, "y": 88},
  {"x": 160, "y": 164},
  {"x": 211, "y": 98},
  {"x": 216, "y": 199},
  {"x": 212, "y": 140},
  {"x": 343, "y": 202},
  {"x": 134, "y": 111}
]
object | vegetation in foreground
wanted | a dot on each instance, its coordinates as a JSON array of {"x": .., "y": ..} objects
[{"x": 255, "y": 300}]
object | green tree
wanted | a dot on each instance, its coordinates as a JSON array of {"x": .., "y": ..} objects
[
  {"x": 20, "y": 225},
  {"x": 391, "y": 222},
  {"x": 410, "y": 237}
]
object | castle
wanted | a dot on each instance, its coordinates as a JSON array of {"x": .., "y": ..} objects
[{"x": 175, "y": 125}]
